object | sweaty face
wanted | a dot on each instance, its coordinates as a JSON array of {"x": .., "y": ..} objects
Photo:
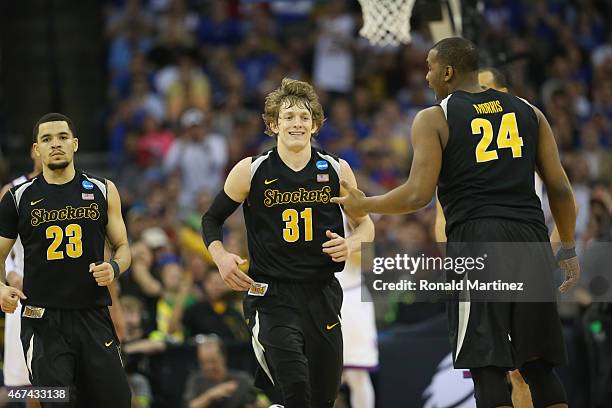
[
  {"x": 55, "y": 145},
  {"x": 295, "y": 126},
  {"x": 435, "y": 75}
]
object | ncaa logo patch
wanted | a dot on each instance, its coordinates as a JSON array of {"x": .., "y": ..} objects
[
  {"x": 322, "y": 165},
  {"x": 87, "y": 185}
]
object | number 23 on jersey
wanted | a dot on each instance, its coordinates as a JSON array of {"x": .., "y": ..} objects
[{"x": 74, "y": 247}]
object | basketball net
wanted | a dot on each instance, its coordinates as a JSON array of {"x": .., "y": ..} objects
[{"x": 386, "y": 22}]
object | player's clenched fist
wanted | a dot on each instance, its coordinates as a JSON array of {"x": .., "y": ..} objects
[
  {"x": 9, "y": 297},
  {"x": 103, "y": 273}
]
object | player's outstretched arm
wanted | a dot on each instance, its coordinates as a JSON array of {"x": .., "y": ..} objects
[
  {"x": 105, "y": 272},
  {"x": 340, "y": 248},
  {"x": 418, "y": 190},
  {"x": 235, "y": 191},
  {"x": 560, "y": 198}
]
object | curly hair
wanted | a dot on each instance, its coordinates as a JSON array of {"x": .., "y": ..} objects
[{"x": 295, "y": 93}]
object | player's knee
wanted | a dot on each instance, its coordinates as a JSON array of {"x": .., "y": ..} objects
[
  {"x": 490, "y": 387},
  {"x": 546, "y": 388}
]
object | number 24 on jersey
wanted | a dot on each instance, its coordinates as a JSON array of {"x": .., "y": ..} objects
[{"x": 507, "y": 137}]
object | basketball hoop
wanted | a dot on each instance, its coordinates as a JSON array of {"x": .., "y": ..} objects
[{"x": 386, "y": 22}]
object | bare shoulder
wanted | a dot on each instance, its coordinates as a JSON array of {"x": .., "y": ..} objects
[
  {"x": 346, "y": 174},
  {"x": 238, "y": 182},
  {"x": 432, "y": 116}
]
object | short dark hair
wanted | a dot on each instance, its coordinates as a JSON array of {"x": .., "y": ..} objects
[
  {"x": 458, "y": 52},
  {"x": 499, "y": 78},
  {"x": 52, "y": 117}
]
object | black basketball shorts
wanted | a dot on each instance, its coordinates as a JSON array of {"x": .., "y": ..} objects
[
  {"x": 297, "y": 340},
  {"x": 506, "y": 334},
  {"x": 78, "y": 349}
]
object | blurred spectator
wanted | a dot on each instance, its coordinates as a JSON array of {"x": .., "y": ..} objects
[
  {"x": 190, "y": 89},
  {"x": 175, "y": 297},
  {"x": 598, "y": 159},
  {"x": 177, "y": 26},
  {"x": 333, "y": 55},
  {"x": 142, "y": 396},
  {"x": 215, "y": 315},
  {"x": 198, "y": 156},
  {"x": 132, "y": 40},
  {"x": 217, "y": 27},
  {"x": 154, "y": 143},
  {"x": 213, "y": 385},
  {"x": 144, "y": 101}
]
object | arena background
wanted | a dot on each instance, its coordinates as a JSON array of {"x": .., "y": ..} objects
[{"x": 126, "y": 71}]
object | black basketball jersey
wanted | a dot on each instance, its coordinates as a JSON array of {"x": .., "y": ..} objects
[
  {"x": 488, "y": 164},
  {"x": 287, "y": 214},
  {"x": 63, "y": 230}
]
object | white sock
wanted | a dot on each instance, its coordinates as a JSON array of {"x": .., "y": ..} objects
[{"x": 362, "y": 391}]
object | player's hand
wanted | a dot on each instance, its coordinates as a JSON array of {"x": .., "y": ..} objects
[
  {"x": 102, "y": 273},
  {"x": 9, "y": 297},
  {"x": 231, "y": 274},
  {"x": 568, "y": 261},
  {"x": 336, "y": 247},
  {"x": 354, "y": 202}
]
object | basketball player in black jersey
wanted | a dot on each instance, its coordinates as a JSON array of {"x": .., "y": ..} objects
[
  {"x": 295, "y": 240},
  {"x": 63, "y": 218},
  {"x": 487, "y": 192}
]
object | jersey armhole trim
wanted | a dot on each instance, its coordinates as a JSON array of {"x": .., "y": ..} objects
[
  {"x": 257, "y": 162},
  {"x": 19, "y": 193},
  {"x": 532, "y": 108},
  {"x": 444, "y": 105},
  {"x": 333, "y": 161},
  {"x": 101, "y": 185}
]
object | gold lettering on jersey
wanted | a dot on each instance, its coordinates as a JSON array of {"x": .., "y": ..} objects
[
  {"x": 42, "y": 216},
  {"x": 488, "y": 107},
  {"x": 274, "y": 197}
]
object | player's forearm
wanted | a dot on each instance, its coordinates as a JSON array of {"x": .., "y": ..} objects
[
  {"x": 363, "y": 232},
  {"x": 400, "y": 200},
  {"x": 563, "y": 208},
  {"x": 217, "y": 250},
  {"x": 123, "y": 256}
]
